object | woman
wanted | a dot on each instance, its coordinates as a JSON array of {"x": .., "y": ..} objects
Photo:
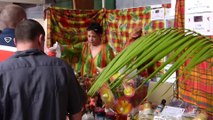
[{"x": 95, "y": 54}]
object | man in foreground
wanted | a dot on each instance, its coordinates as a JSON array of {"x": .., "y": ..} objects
[{"x": 34, "y": 86}]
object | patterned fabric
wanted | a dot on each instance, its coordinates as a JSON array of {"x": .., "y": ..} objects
[
  {"x": 68, "y": 27},
  {"x": 88, "y": 64},
  {"x": 179, "y": 14},
  {"x": 120, "y": 23},
  {"x": 196, "y": 88},
  {"x": 117, "y": 24}
]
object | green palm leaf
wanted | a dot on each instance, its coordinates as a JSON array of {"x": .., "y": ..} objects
[{"x": 181, "y": 45}]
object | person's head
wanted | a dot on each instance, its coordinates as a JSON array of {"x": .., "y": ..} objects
[
  {"x": 29, "y": 34},
  {"x": 94, "y": 34},
  {"x": 136, "y": 33},
  {"x": 12, "y": 14}
]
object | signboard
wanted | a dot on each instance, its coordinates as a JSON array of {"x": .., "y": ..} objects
[
  {"x": 30, "y": 1},
  {"x": 157, "y": 14},
  {"x": 194, "y": 6},
  {"x": 200, "y": 22}
]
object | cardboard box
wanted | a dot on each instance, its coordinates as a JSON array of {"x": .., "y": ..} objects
[{"x": 158, "y": 94}]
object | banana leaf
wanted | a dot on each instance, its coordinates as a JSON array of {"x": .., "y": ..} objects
[{"x": 180, "y": 44}]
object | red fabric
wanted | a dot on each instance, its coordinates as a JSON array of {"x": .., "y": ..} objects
[
  {"x": 5, "y": 54},
  {"x": 196, "y": 87}
]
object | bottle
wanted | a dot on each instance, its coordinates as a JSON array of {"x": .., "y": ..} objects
[
  {"x": 160, "y": 107},
  {"x": 99, "y": 110}
]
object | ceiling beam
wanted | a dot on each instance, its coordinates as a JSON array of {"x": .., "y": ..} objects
[{"x": 25, "y": 1}]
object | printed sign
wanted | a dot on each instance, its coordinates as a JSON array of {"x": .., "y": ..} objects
[
  {"x": 200, "y": 22},
  {"x": 194, "y": 6},
  {"x": 157, "y": 14}
]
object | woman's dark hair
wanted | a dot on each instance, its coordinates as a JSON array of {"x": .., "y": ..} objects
[{"x": 96, "y": 27}]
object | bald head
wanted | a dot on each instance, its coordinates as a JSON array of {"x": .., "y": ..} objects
[{"x": 12, "y": 14}]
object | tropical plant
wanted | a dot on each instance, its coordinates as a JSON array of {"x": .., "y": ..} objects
[{"x": 180, "y": 44}]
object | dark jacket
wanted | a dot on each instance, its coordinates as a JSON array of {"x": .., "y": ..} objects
[{"x": 34, "y": 86}]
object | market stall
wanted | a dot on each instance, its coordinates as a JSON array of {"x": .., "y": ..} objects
[{"x": 68, "y": 27}]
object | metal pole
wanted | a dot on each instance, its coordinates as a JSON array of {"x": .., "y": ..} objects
[{"x": 103, "y": 3}]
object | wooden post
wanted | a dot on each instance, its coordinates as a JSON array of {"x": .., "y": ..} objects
[{"x": 74, "y": 4}]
